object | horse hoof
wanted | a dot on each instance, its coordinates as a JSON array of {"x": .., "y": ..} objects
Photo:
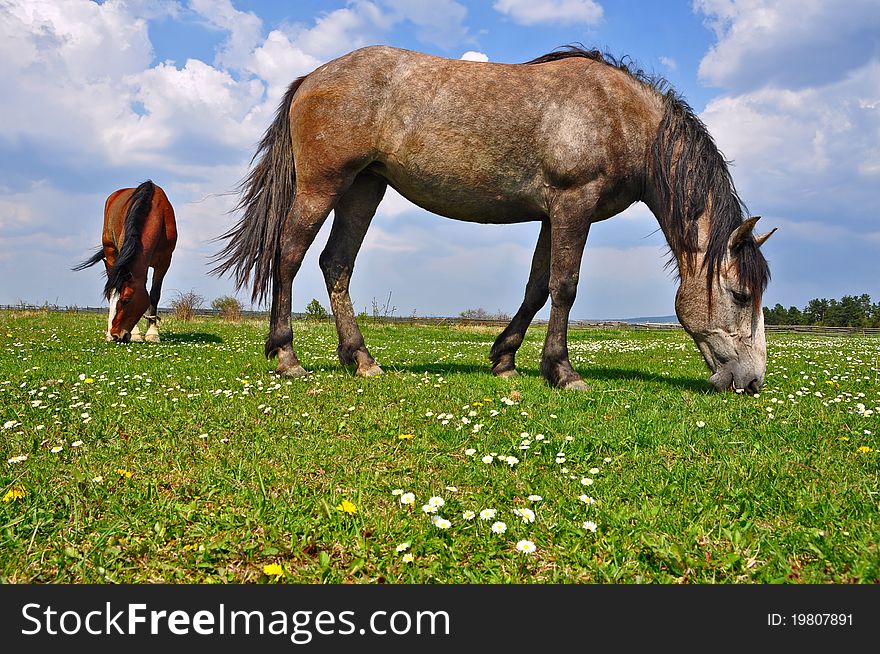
[
  {"x": 152, "y": 338},
  {"x": 507, "y": 374},
  {"x": 295, "y": 371},
  {"x": 372, "y": 371},
  {"x": 137, "y": 338},
  {"x": 577, "y": 385}
]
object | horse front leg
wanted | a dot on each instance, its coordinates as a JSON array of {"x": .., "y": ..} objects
[
  {"x": 152, "y": 316},
  {"x": 352, "y": 217},
  {"x": 567, "y": 243},
  {"x": 302, "y": 225},
  {"x": 503, "y": 354}
]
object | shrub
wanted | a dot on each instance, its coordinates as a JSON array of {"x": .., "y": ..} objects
[
  {"x": 229, "y": 308},
  {"x": 316, "y": 312},
  {"x": 186, "y": 304}
]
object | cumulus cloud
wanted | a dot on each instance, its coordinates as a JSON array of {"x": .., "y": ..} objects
[
  {"x": 790, "y": 43},
  {"x": 566, "y": 12},
  {"x": 471, "y": 55}
]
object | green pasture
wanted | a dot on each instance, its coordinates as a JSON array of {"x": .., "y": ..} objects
[{"x": 190, "y": 461}]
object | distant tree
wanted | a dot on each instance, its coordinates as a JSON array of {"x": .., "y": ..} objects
[
  {"x": 794, "y": 316},
  {"x": 775, "y": 316},
  {"x": 315, "y": 311},
  {"x": 814, "y": 312},
  {"x": 229, "y": 308}
]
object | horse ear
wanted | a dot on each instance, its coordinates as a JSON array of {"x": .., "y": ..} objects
[
  {"x": 760, "y": 238},
  {"x": 742, "y": 233}
]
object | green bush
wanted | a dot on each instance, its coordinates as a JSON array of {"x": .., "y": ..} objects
[
  {"x": 229, "y": 308},
  {"x": 315, "y": 311}
]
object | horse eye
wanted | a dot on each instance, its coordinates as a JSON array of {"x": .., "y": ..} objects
[
  {"x": 741, "y": 298},
  {"x": 125, "y": 301}
]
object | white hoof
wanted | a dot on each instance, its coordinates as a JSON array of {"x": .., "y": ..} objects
[
  {"x": 152, "y": 334},
  {"x": 372, "y": 371}
]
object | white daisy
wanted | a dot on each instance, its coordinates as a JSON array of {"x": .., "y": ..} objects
[
  {"x": 526, "y": 546},
  {"x": 499, "y": 527}
]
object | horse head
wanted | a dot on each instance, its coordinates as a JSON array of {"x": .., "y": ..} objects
[
  {"x": 128, "y": 301},
  {"x": 724, "y": 317}
]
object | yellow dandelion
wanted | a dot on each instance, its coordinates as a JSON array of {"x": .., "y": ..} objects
[
  {"x": 864, "y": 449},
  {"x": 406, "y": 436},
  {"x": 347, "y": 507},
  {"x": 89, "y": 380},
  {"x": 122, "y": 472},
  {"x": 14, "y": 494},
  {"x": 273, "y": 570}
]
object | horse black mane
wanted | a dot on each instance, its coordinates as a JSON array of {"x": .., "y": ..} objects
[{"x": 690, "y": 171}]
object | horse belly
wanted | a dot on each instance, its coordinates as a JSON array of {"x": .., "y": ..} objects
[{"x": 459, "y": 198}]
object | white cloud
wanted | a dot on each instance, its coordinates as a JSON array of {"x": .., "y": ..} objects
[
  {"x": 193, "y": 104},
  {"x": 244, "y": 29},
  {"x": 566, "y": 12},
  {"x": 792, "y": 43},
  {"x": 669, "y": 62},
  {"x": 806, "y": 153},
  {"x": 471, "y": 55},
  {"x": 62, "y": 72}
]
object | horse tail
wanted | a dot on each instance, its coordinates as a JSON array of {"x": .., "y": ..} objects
[
  {"x": 267, "y": 194},
  {"x": 92, "y": 260},
  {"x": 139, "y": 206}
]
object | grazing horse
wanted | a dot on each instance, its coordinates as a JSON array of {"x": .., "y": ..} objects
[
  {"x": 568, "y": 139},
  {"x": 139, "y": 232}
]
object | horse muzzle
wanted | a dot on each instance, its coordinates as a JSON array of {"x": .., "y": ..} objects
[
  {"x": 737, "y": 379},
  {"x": 125, "y": 337}
]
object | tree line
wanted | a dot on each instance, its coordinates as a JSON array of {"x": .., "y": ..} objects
[{"x": 848, "y": 311}]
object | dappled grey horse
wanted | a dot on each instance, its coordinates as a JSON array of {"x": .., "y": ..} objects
[{"x": 567, "y": 139}]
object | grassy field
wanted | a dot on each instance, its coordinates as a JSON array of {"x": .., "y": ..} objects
[{"x": 190, "y": 461}]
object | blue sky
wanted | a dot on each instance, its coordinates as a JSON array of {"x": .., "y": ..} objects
[{"x": 100, "y": 96}]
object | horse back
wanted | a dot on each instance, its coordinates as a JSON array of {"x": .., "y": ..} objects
[{"x": 476, "y": 141}]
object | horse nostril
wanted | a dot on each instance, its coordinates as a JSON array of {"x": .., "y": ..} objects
[
  {"x": 753, "y": 387},
  {"x": 126, "y": 337}
]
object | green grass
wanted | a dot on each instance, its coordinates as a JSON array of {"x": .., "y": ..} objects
[{"x": 233, "y": 469}]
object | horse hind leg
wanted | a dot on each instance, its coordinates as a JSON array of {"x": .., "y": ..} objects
[
  {"x": 305, "y": 219},
  {"x": 352, "y": 217},
  {"x": 503, "y": 354}
]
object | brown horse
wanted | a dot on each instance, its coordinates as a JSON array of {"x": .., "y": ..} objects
[
  {"x": 139, "y": 232},
  {"x": 567, "y": 139}
]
